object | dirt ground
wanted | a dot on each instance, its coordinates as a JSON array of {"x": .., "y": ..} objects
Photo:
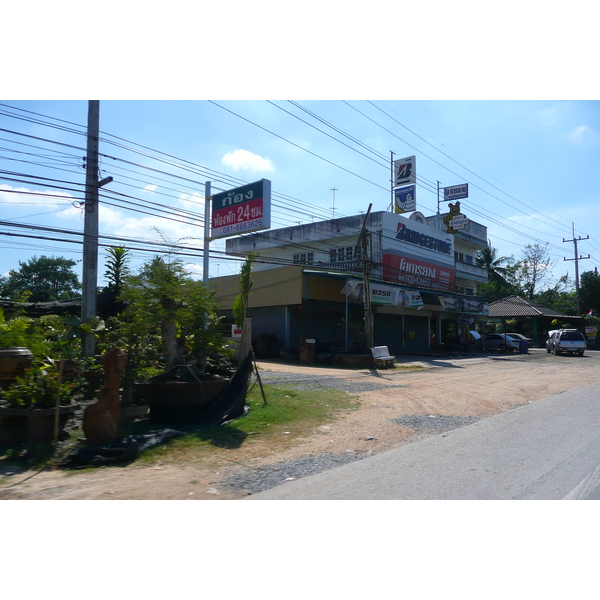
[{"x": 467, "y": 386}]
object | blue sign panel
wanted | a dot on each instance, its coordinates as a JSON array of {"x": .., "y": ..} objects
[{"x": 405, "y": 199}]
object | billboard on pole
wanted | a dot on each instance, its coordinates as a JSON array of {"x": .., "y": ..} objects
[
  {"x": 405, "y": 199},
  {"x": 241, "y": 210},
  {"x": 405, "y": 171},
  {"x": 456, "y": 192}
]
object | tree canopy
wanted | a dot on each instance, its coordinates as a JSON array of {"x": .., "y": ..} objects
[
  {"x": 41, "y": 280},
  {"x": 589, "y": 292}
]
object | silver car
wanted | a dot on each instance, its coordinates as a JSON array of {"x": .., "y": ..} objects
[
  {"x": 569, "y": 341},
  {"x": 499, "y": 341}
]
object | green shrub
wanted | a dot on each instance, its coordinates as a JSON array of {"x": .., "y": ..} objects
[{"x": 38, "y": 388}]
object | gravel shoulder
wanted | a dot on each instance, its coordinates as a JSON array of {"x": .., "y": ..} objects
[{"x": 397, "y": 407}]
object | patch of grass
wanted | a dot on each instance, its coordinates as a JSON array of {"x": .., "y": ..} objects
[{"x": 287, "y": 416}]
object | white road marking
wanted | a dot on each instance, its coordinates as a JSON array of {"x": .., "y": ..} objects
[{"x": 587, "y": 484}]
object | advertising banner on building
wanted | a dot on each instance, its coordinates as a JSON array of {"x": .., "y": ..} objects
[
  {"x": 405, "y": 199},
  {"x": 386, "y": 295},
  {"x": 450, "y": 303},
  {"x": 472, "y": 306},
  {"x": 413, "y": 272},
  {"x": 241, "y": 210},
  {"x": 409, "y": 237}
]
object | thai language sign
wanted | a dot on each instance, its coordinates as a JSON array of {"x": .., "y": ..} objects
[
  {"x": 241, "y": 210},
  {"x": 410, "y": 271},
  {"x": 456, "y": 192}
]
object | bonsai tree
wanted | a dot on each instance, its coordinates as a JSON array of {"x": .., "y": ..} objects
[
  {"x": 166, "y": 305},
  {"x": 240, "y": 304}
]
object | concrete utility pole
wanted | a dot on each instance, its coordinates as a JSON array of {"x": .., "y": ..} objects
[
  {"x": 89, "y": 277},
  {"x": 205, "y": 258},
  {"x": 362, "y": 246},
  {"x": 577, "y": 259}
]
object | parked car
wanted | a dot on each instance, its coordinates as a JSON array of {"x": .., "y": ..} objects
[
  {"x": 498, "y": 341},
  {"x": 570, "y": 341},
  {"x": 520, "y": 337}
]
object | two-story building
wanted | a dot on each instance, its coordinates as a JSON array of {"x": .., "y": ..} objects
[{"x": 309, "y": 279}]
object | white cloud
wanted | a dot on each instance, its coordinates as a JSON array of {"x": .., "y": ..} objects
[
  {"x": 578, "y": 133},
  {"x": 150, "y": 188},
  {"x": 194, "y": 269},
  {"x": 23, "y": 195},
  {"x": 247, "y": 161},
  {"x": 157, "y": 229},
  {"x": 194, "y": 202}
]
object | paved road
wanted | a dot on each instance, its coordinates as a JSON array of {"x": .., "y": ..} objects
[{"x": 549, "y": 449}]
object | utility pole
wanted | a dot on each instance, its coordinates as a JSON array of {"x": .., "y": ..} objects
[
  {"x": 362, "y": 247},
  {"x": 207, "y": 204},
  {"x": 334, "y": 190},
  {"x": 392, "y": 182},
  {"x": 89, "y": 278},
  {"x": 577, "y": 259}
]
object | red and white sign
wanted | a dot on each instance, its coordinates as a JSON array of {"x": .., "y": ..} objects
[
  {"x": 410, "y": 271},
  {"x": 244, "y": 209},
  {"x": 405, "y": 171}
]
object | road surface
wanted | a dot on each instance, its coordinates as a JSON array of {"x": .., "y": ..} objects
[{"x": 545, "y": 450}]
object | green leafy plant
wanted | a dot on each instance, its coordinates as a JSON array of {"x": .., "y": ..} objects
[
  {"x": 39, "y": 388},
  {"x": 24, "y": 332},
  {"x": 168, "y": 316}
]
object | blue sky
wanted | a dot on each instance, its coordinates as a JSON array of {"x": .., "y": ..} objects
[
  {"x": 505, "y": 104},
  {"x": 531, "y": 167}
]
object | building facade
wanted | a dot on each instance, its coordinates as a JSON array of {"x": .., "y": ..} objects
[{"x": 309, "y": 280}]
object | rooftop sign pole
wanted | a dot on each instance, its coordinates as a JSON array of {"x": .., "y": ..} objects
[{"x": 404, "y": 179}]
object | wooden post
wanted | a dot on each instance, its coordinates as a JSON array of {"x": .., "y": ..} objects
[
  {"x": 259, "y": 380},
  {"x": 57, "y": 413}
]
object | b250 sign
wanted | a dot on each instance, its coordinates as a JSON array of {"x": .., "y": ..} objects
[{"x": 243, "y": 209}]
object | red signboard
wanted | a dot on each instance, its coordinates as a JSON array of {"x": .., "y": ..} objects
[
  {"x": 241, "y": 210},
  {"x": 412, "y": 272}
]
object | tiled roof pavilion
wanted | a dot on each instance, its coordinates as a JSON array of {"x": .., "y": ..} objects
[{"x": 515, "y": 306}]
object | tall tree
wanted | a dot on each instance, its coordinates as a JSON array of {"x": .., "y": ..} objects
[
  {"x": 589, "y": 292},
  {"x": 117, "y": 269},
  {"x": 42, "y": 280},
  {"x": 500, "y": 274},
  {"x": 533, "y": 268},
  {"x": 496, "y": 266}
]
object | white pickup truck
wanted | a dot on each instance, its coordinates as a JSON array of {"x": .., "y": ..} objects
[{"x": 570, "y": 341}]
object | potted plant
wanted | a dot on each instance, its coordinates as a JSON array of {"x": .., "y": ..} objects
[
  {"x": 36, "y": 406},
  {"x": 167, "y": 309}
]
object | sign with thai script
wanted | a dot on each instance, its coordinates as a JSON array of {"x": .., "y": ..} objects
[
  {"x": 241, "y": 210},
  {"x": 459, "y": 222},
  {"x": 456, "y": 192},
  {"x": 410, "y": 271}
]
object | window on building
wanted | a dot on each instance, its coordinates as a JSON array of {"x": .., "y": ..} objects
[
  {"x": 304, "y": 258},
  {"x": 341, "y": 254}
]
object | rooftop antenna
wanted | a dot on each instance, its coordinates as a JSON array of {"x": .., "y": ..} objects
[{"x": 334, "y": 190}]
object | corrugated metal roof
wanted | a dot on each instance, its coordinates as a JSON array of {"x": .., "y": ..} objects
[{"x": 515, "y": 306}]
